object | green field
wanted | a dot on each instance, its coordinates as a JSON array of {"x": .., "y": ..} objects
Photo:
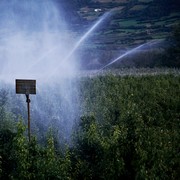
[
  {"x": 129, "y": 129},
  {"x": 152, "y": 19}
]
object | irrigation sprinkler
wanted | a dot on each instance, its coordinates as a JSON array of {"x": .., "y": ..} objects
[{"x": 26, "y": 87}]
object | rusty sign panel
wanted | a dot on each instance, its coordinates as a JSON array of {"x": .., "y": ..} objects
[{"x": 24, "y": 86}]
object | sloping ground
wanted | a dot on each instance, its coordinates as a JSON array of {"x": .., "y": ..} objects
[{"x": 132, "y": 23}]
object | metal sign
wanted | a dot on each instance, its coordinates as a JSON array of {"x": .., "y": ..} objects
[
  {"x": 27, "y": 87},
  {"x": 24, "y": 86}
]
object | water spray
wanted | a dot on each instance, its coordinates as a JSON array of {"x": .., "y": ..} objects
[
  {"x": 86, "y": 35},
  {"x": 153, "y": 42},
  {"x": 82, "y": 39}
]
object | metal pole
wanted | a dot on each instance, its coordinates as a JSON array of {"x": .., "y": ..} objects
[{"x": 28, "y": 108}]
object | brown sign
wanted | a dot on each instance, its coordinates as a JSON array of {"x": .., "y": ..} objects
[{"x": 24, "y": 86}]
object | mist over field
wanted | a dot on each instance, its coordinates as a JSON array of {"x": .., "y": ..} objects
[{"x": 107, "y": 89}]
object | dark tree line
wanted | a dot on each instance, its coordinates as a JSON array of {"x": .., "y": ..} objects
[{"x": 171, "y": 57}]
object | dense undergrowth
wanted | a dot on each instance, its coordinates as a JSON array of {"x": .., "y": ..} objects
[{"x": 129, "y": 129}]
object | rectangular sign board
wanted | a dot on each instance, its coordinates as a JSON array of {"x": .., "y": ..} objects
[{"x": 24, "y": 86}]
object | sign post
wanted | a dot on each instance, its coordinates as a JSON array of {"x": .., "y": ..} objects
[{"x": 26, "y": 87}]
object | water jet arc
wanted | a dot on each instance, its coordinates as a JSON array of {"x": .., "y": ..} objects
[
  {"x": 130, "y": 52},
  {"x": 82, "y": 39}
]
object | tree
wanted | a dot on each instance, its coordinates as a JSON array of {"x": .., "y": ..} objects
[
  {"x": 98, "y": 154},
  {"x": 172, "y": 55}
]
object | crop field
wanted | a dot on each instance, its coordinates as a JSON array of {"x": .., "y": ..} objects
[
  {"x": 128, "y": 128},
  {"x": 146, "y": 1},
  {"x": 105, "y": 97},
  {"x": 129, "y": 72},
  {"x": 138, "y": 8}
]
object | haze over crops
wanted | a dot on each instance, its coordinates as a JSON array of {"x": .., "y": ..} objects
[{"x": 107, "y": 89}]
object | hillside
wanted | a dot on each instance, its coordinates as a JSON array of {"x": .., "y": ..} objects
[{"x": 130, "y": 24}]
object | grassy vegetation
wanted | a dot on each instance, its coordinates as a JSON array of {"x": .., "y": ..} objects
[
  {"x": 138, "y": 7},
  {"x": 129, "y": 129},
  {"x": 146, "y": 1}
]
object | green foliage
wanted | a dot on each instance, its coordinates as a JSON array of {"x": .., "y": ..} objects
[
  {"x": 133, "y": 132},
  {"x": 0, "y": 166},
  {"x": 32, "y": 161},
  {"x": 52, "y": 165},
  {"x": 6, "y": 117},
  {"x": 171, "y": 57},
  {"x": 6, "y": 136},
  {"x": 21, "y": 154},
  {"x": 129, "y": 130},
  {"x": 7, "y": 163}
]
